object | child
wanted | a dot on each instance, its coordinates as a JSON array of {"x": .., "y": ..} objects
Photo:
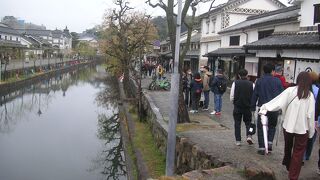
[{"x": 196, "y": 90}]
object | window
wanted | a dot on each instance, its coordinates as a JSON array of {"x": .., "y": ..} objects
[
  {"x": 234, "y": 41},
  {"x": 10, "y": 38},
  {"x": 17, "y": 39},
  {"x": 213, "y": 26},
  {"x": 5, "y": 37},
  {"x": 208, "y": 26},
  {"x": 263, "y": 34},
  {"x": 316, "y": 13},
  {"x": 0, "y": 36}
]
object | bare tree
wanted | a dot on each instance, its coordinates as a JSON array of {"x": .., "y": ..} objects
[{"x": 168, "y": 7}]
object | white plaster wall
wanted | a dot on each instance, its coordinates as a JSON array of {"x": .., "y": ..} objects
[
  {"x": 287, "y": 27},
  {"x": 204, "y": 26},
  {"x": 214, "y": 45},
  {"x": 260, "y": 4},
  {"x": 237, "y": 18},
  {"x": 24, "y": 42},
  {"x": 252, "y": 35},
  {"x": 225, "y": 40},
  {"x": 307, "y": 12}
]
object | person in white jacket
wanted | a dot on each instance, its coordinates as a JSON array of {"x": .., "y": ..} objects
[{"x": 298, "y": 107}]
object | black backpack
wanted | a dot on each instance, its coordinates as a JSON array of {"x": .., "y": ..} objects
[{"x": 222, "y": 85}]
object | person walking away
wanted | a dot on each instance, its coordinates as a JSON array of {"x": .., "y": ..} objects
[
  {"x": 266, "y": 88},
  {"x": 240, "y": 95},
  {"x": 314, "y": 90},
  {"x": 297, "y": 105},
  {"x": 196, "y": 90},
  {"x": 278, "y": 74},
  {"x": 218, "y": 87},
  {"x": 206, "y": 87}
]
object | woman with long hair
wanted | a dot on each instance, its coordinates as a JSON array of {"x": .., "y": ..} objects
[{"x": 298, "y": 107}]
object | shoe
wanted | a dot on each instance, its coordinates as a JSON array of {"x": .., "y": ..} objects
[
  {"x": 261, "y": 152},
  {"x": 217, "y": 113},
  {"x": 205, "y": 109},
  {"x": 196, "y": 111},
  {"x": 238, "y": 143},
  {"x": 249, "y": 140},
  {"x": 192, "y": 111},
  {"x": 269, "y": 147},
  {"x": 213, "y": 113}
]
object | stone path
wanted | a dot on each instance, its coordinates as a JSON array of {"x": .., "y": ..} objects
[{"x": 220, "y": 142}]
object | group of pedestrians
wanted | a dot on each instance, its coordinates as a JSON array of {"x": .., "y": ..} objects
[
  {"x": 153, "y": 69},
  {"x": 298, "y": 105},
  {"x": 198, "y": 84},
  {"x": 292, "y": 108}
]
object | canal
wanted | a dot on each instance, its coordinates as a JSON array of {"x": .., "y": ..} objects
[{"x": 62, "y": 128}]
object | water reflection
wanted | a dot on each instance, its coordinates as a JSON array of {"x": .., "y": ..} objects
[{"x": 67, "y": 122}]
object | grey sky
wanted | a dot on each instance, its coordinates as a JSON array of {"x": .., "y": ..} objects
[{"x": 78, "y": 15}]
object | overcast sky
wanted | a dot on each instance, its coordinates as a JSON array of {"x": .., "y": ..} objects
[{"x": 78, "y": 15}]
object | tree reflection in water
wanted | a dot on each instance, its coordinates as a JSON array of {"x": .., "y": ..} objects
[{"x": 110, "y": 161}]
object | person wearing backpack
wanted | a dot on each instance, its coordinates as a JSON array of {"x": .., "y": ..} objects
[
  {"x": 196, "y": 90},
  {"x": 240, "y": 95},
  {"x": 206, "y": 87},
  {"x": 218, "y": 87}
]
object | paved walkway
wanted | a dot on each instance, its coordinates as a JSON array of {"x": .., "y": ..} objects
[{"x": 220, "y": 142}]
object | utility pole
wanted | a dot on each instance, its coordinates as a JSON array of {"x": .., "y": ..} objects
[{"x": 174, "y": 96}]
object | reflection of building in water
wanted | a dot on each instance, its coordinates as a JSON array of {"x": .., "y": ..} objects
[{"x": 35, "y": 98}]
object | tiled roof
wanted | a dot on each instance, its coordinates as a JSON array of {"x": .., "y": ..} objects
[
  {"x": 287, "y": 41},
  {"x": 194, "y": 38},
  {"x": 278, "y": 16},
  {"x": 226, "y": 52},
  {"x": 6, "y": 43},
  {"x": 37, "y": 32},
  {"x": 193, "y": 53},
  {"x": 8, "y": 30},
  {"x": 31, "y": 40}
]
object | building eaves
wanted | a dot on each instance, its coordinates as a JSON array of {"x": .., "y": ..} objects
[
  {"x": 194, "y": 38},
  {"x": 6, "y": 43},
  {"x": 309, "y": 40}
]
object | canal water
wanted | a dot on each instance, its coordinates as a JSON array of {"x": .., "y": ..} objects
[{"x": 63, "y": 128}]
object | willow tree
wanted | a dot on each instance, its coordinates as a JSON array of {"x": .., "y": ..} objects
[
  {"x": 168, "y": 7},
  {"x": 126, "y": 34}
]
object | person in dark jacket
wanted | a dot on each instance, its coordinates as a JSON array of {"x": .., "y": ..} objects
[
  {"x": 196, "y": 90},
  {"x": 315, "y": 92},
  {"x": 219, "y": 78},
  {"x": 266, "y": 88},
  {"x": 240, "y": 94}
]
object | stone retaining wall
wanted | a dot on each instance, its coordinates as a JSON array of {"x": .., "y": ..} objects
[{"x": 188, "y": 156}]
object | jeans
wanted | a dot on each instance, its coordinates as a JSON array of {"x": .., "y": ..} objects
[
  {"x": 272, "y": 123},
  {"x": 217, "y": 102},
  {"x": 310, "y": 143},
  {"x": 238, "y": 115},
  {"x": 206, "y": 99}
]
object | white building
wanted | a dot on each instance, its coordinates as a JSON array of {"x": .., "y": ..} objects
[
  {"x": 233, "y": 57},
  {"x": 296, "y": 51},
  {"x": 226, "y": 15}
]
